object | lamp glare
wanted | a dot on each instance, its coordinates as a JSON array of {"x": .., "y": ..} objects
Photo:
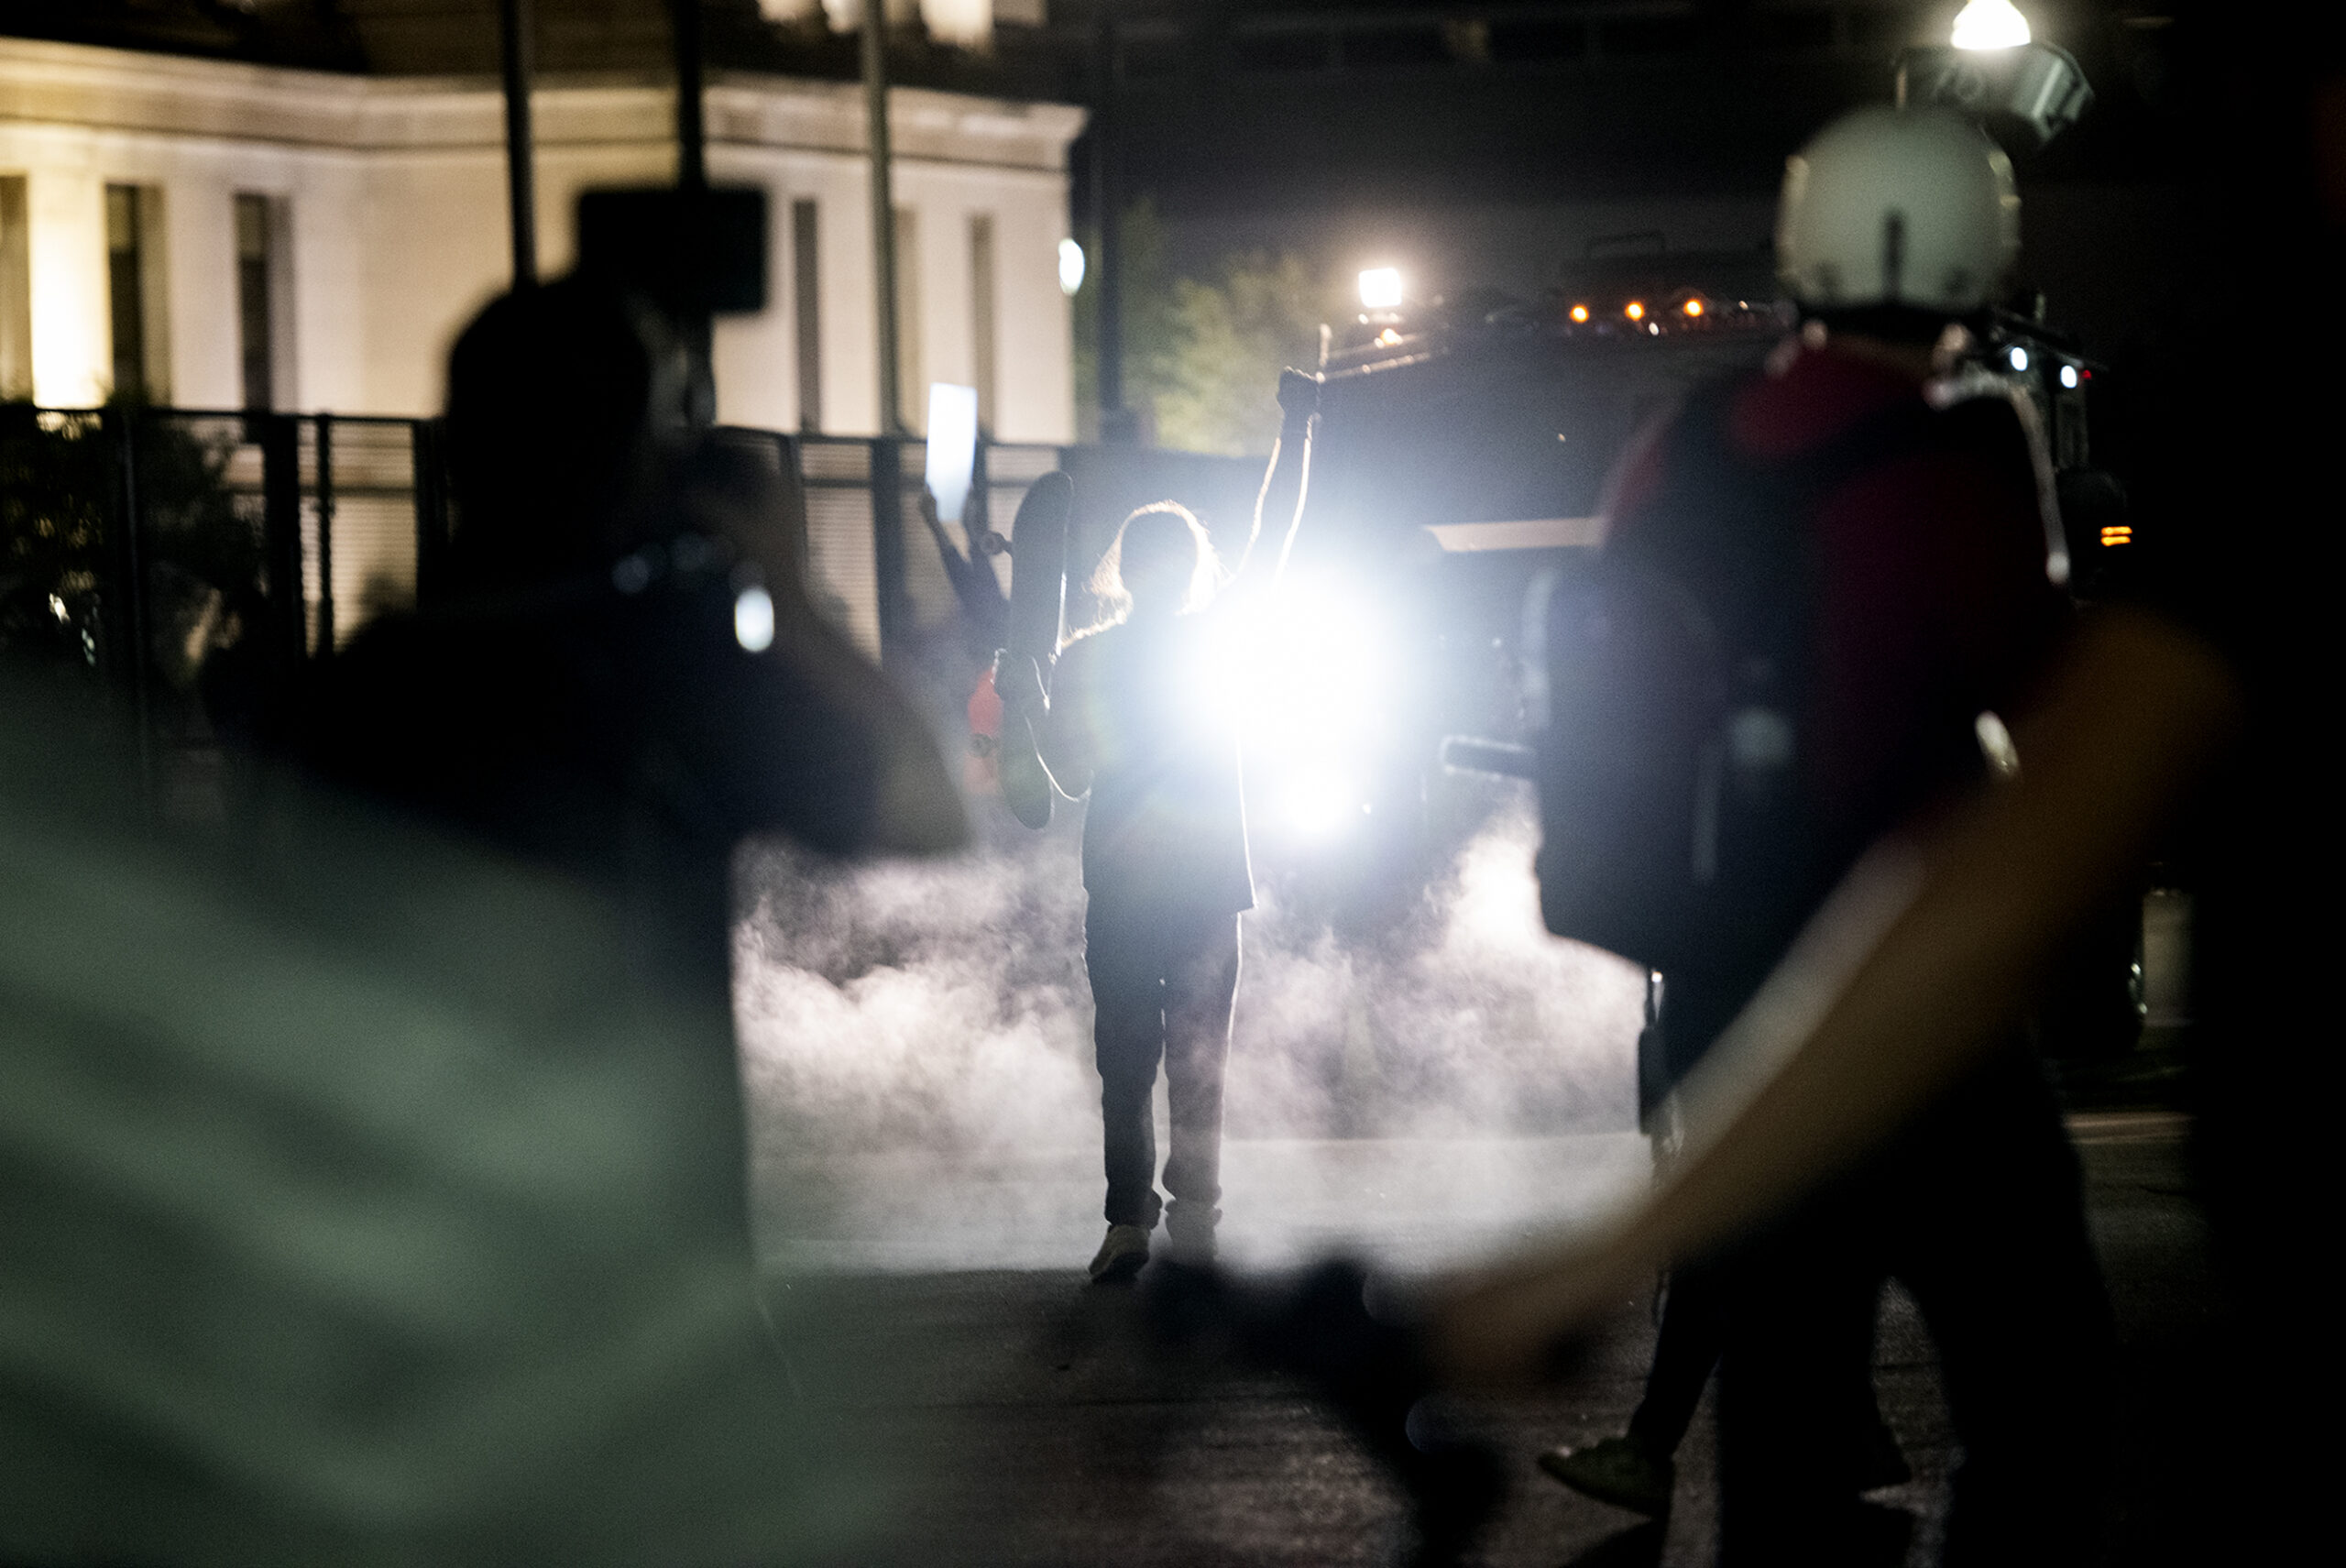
[
  {"x": 1989, "y": 23},
  {"x": 1380, "y": 289}
]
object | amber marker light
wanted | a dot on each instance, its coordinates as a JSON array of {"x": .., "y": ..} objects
[
  {"x": 1580, "y": 313},
  {"x": 2118, "y": 533},
  {"x": 1635, "y": 309}
]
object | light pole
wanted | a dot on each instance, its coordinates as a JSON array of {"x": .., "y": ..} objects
[
  {"x": 521, "y": 187},
  {"x": 1117, "y": 426},
  {"x": 692, "y": 180},
  {"x": 883, "y": 214},
  {"x": 893, "y": 599}
]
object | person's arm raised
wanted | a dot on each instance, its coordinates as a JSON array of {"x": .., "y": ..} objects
[
  {"x": 1287, "y": 479},
  {"x": 1906, "y": 979}
]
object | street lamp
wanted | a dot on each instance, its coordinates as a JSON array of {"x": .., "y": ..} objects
[
  {"x": 1380, "y": 289},
  {"x": 2021, "y": 92},
  {"x": 1989, "y": 23}
]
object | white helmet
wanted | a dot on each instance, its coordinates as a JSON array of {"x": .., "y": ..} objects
[{"x": 1897, "y": 207}]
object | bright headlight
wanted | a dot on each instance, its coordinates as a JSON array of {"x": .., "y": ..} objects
[
  {"x": 1318, "y": 803},
  {"x": 1308, "y": 681}
]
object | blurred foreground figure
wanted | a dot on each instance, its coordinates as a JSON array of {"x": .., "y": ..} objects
[
  {"x": 374, "y": 1192},
  {"x": 622, "y": 677},
  {"x": 367, "y": 1197},
  {"x": 1136, "y": 718},
  {"x": 2209, "y": 695}
]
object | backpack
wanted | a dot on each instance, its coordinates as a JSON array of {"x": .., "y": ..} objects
[{"x": 1670, "y": 686}]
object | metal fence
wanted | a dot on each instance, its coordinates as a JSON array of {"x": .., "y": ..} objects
[{"x": 199, "y": 563}]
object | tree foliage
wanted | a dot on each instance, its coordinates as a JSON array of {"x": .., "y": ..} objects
[{"x": 1202, "y": 356}]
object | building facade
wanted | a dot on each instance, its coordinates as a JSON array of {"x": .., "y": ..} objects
[{"x": 215, "y": 233}]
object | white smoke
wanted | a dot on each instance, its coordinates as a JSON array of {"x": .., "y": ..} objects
[{"x": 919, "y": 1034}]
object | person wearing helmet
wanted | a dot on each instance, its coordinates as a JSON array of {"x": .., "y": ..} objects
[
  {"x": 1918, "y": 587},
  {"x": 2196, "y": 705}
]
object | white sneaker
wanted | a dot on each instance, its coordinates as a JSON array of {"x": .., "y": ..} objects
[{"x": 1121, "y": 1255}]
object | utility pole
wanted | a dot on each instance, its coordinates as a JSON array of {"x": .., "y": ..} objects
[
  {"x": 1117, "y": 426},
  {"x": 692, "y": 179},
  {"x": 888, "y": 562},
  {"x": 884, "y": 214},
  {"x": 520, "y": 185}
]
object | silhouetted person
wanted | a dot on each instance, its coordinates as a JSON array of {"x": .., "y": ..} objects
[
  {"x": 1137, "y": 718},
  {"x": 1928, "y": 593},
  {"x": 2201, "y": 701},
  {"x": 985, "y": 608},
  {"x": 621, "y": 677},
  {"x": 371, "y": 1169}
]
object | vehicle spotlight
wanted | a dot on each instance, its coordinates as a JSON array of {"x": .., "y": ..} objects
[
  {"x": 1380, "y": 289},
  {"x": 1319, "y": 805},
  {"x": 2017, "y": 357},
  {"x": 1071, "y": 267},
  {"x": 2069, "y": 378}
]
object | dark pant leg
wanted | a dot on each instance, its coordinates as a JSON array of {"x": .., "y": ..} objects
[
  {"x": 1121, "y": 954},
  {"x": 1685, "y": 1351},
  {"x": 1997, "y": 1255},
  {"x": 1798, "y": 1333},
  {"x": 1200, "y": 986}
]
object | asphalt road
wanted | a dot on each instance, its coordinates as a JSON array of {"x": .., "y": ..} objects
[{"x": 999, "y": 1416}]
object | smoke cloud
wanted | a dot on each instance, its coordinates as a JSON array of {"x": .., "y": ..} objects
[{"x": 916, "y": 1045}]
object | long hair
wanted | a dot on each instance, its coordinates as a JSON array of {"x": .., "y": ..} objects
[{"x": 1163, "y": 532}]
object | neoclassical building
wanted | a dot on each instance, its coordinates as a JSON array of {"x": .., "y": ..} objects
[{"x": 212, "y": 233}]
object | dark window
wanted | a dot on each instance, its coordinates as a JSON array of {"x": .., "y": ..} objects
[
  {"x": 125, "y": 291},
  {"x": 256, "y": 337},
  {"x": 1283, "y": 50},
  {"x": 1649, "y": 34},
  {"x": 1531, "y": 42},
  {"x": 1375, "y": 48},
  {"x": 806, "y": 289}
]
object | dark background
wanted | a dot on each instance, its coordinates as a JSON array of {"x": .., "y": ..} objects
[{"x": 1479, "y": 143}]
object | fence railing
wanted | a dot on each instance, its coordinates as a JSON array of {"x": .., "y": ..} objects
[{"x": 198, "y": 561}]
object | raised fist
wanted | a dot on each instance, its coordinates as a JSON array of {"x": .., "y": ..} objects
[{"x": 1300, "y": 393}]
